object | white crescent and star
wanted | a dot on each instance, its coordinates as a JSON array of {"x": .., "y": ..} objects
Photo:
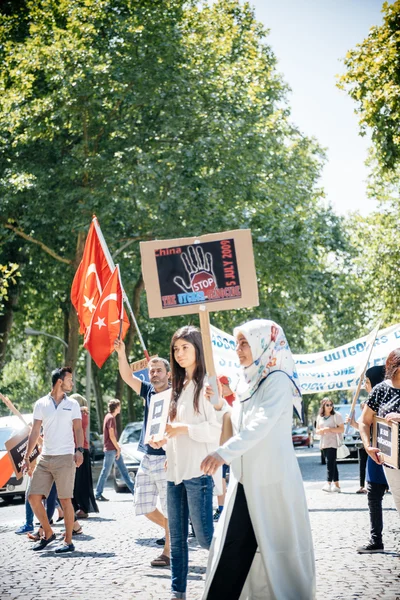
[{"x": 101, "y": 321}]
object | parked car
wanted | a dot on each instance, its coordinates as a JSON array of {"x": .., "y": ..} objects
[
  {"x": 302, "y": 436},
  {"x": 10, "y": 426},
  {"x": 352, "y": 439},
  {"x": 96, "y": 446},
  {"x": 132, "y": 456}
]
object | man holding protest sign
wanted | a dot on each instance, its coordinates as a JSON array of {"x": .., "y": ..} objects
[
  {"x": 61, "y": 419},
  {"x": 151, "y": 478}
]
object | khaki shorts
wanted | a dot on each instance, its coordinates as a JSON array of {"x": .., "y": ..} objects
[{"x": 61, "y": 469}]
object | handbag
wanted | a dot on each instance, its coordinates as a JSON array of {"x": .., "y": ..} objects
[{"x": 342, "y": 449}]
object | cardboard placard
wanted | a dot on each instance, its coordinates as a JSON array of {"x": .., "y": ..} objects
[
  {"x": 16, "y": 447},
  {"x": 385, "y": 436},
  {"x": 158, "y": 416},
  {"x": 216, "y": 270}
]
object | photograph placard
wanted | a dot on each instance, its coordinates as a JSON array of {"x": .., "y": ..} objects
[
  {"x": 158, "y": 416},
  {"x": 216, "y": 270},
  {"x": 386, "y": 437}
]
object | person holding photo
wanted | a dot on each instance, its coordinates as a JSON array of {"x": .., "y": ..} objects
[
  {"x": 193, "y": 431},
  {"x": 384, "y": 401},
  {"x": 151, "y": 481}
]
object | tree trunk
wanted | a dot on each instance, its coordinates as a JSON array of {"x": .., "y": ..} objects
[
  {"x": 99, "y": 396},
  {"x": 73, "y": 323},
  {"x": 6, "y": 321}
]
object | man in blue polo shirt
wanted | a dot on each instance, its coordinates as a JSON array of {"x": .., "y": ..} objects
[{"x": 151, "y": 478}]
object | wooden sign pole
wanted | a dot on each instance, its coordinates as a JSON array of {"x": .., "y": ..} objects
[
  {"x": 11, "y": 407},
  {"x": 208, "y": 353},
  {"x": 358, "y": 390}
]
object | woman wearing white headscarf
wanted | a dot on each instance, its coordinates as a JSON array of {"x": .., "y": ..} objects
[{"x": 262, "y": 547}]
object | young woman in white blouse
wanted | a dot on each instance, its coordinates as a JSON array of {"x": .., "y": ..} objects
[{"x": 192, "y": 433}]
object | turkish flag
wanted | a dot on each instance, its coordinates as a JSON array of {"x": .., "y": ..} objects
[
  {"x": 90, "y": 278},
  {"x": 105, "y": 326}
]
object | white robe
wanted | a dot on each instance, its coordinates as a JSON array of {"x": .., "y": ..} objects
[{"x": 262, "y": 458}]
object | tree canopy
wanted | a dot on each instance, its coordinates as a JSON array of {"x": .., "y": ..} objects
[{"x": 165, "y": 119}]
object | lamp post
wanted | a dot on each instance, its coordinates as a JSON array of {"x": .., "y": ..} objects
[{"x": 30, "y": 331}]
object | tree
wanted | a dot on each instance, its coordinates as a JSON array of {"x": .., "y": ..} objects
[
  {"x": 165, "y": 119},
  {"x": 372, "y": 80}
]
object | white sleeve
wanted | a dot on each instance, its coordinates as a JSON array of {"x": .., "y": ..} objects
[
  {"x": 273, "y": 400},
  {"x": 209, "y": 431},
  {"x": 37, "y": 411},
  {"x": 76, "y": 411}
]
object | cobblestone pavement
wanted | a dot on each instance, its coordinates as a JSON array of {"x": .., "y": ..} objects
[{"x": 112, "y": 558}]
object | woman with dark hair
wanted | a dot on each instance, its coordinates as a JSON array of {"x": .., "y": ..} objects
[
  {"x": 376, "y": 480},
  {"x": 330, "y": 426},
  {"x": 193, "y": 431},
  {"x": 384, "y": 401}
]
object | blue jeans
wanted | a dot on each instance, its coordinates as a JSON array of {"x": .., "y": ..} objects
[
  {"x": 109, "y": 459},
  {"x": 192, "y": 497},
  {"x": 50, "y": 505}
]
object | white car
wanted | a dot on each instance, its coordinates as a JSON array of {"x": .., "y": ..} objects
[
  {"x": 10, "y": 426},
  {"x": 129, "y": 451}
]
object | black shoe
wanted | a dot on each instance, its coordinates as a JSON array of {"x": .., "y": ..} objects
[
  {"x": 160, "y": 542},
  {"x": 217, "y": 514},
  {"x": 370, "y": 548},
  {"x": 101, "y": 498},
  {"x": 41, "y": 544},
  {"x": 65, "y": 548}
]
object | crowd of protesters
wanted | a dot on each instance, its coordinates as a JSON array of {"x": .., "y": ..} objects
[{"x": 259, "y": 536}]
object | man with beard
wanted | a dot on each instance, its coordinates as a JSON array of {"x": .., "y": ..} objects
[
  {"x": 151, "y": 479},
  {"x": 61, "y": 419}
]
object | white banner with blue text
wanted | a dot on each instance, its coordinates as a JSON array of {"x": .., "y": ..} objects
[{"x": 330, "y": 370}]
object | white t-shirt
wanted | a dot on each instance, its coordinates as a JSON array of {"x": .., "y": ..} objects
[
  {"x": 185, "y": 452},
  {"x": 58, "y": 432},
  {"x": 330, "y": 440}
]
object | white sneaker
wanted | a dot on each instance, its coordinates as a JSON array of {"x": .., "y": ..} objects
[
  {"x": 335, "y": 488},
  {"x": 327, "y": 488}
]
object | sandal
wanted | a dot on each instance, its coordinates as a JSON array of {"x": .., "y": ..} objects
[
  {"x": 35, "y": 537},
  {"x": 78, "y": 531},
  {"x": 161, "y": 561}
]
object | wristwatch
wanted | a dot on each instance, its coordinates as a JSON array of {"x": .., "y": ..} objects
[{"x": 80, "y": 449}]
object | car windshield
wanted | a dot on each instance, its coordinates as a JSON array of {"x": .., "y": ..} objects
[
  {"x": 299, "y": 431},
  {"x": 344, "y": 410},
  {"x": 130, "y": 436},
  {"x": 5, "y": 434}
]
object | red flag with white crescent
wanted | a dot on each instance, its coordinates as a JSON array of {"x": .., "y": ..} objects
[
  {"x": 109, "y": 321},
  {"x": 90, "y": 278}
]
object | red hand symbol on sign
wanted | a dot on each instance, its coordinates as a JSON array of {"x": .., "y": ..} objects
[{"x": 199, "y": 267}]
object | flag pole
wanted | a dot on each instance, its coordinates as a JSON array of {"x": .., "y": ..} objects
[
  {"x": 125, "y": 297},
  {"x": 358, "y": 389}
]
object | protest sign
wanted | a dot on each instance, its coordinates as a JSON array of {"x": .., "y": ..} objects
[
  {"x": 16, "y": 447},
  {"x": 331, "y": 370},
  {"x": 386, "y": 437},
  {"x": 216, "y": 270},
  {"x": 158, "y": 416}
]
